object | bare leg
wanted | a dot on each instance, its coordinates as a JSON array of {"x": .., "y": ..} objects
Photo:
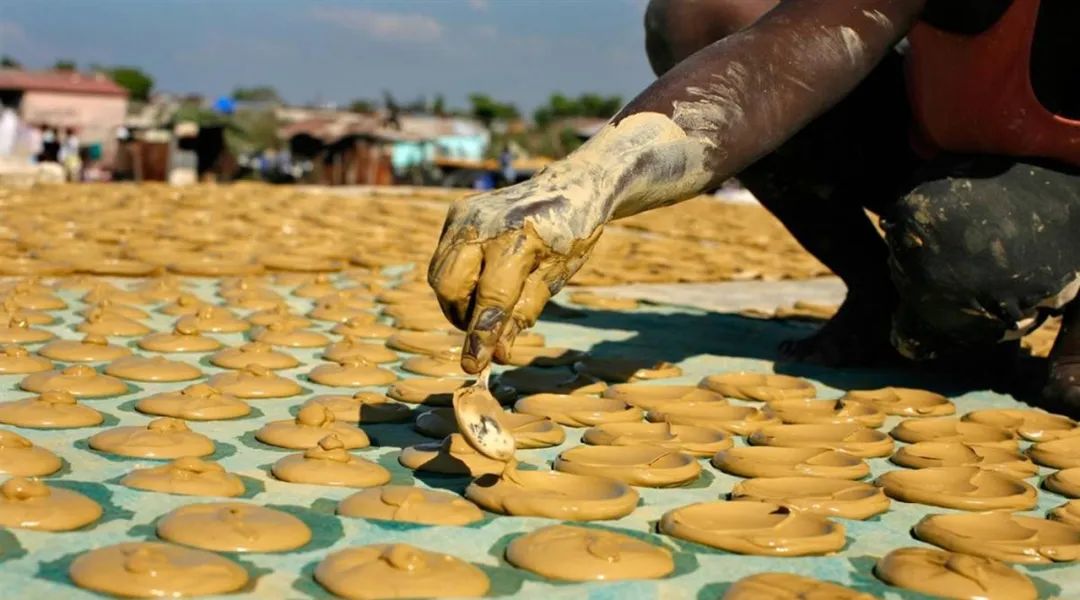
[{"x": 818, "y": 184}]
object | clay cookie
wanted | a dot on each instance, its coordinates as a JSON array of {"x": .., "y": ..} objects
[
  {"x": 1068, "y": 513},
  {"x": 161, "y": 439},
  {"x": 1065, "y": 482},
  {"x": 953, "y": 430},
  {"x": 427, "y": 342},
  {"x": 788, "y": 585},
  {"x": 233, "y": 527},
  {"x": 20, "y": 458},
  {"x": 329, "y": 463},
  {"x": 281, "y": 334},
  {"x": 81, "y": 381},
  {"x": 1032, "y": 425},
  {"x": 51, "y": 410},
  {"x": 339, "y": 310},
  {"x": 646, "y": 466},
  {"x": 552, "y": 494},
  {"x": 591, "y": 300},
  {"x": 313, "y": 422},
  {"x": 279, "y": 313},
  {"x": 853, "y": 439},
  {"x": 253, "y": 353},
  {"x": 440, "y": 392},
  {"x": 152, "y": 369},
  {"x": 183, "y": 338},
  {"x": 1001, "y": 535},
  {"x": 452, "y": 456},
  {"x": 198, "y": 402},
  {"x": 111, "y": 324},
  {"x": 534, "y": 380},
  {"x": 254, "y": 382},
  {"x": 761, "y": 387},
  {"x": 543, "y": 356},
  {"x": 186, "y": 476},
  {"x": 572, "y": 553},
  {"x": 448, "y": 365},
  {"x": 575, "y": 410},
  {"x": 30, "y": 504},
  {"x": 696, "y": 441},
  {"x": 963, "y": 488},
  {"x": 736, "y": 420},
  {"x": 654, "y": 397},
  {"x": 769, "y": 461},
  {"x": 1059, "y": 454},
  {"x": 153, "y": 569},
  {"x": 623, "y": 370},
  {"x": 360, "y": 327},
  {"x": 399, "y": 571},
  {"x": 352, "y": 347},
  {"x": 827, "y": 497},
  {"x": 18, "y": 331},
  {"x": 364, "y": 407},
  {"x": 951, "y": 575},
  {"x": 813, "y": 411},
  {"x": 410, "y": 505},
  {"x": 212, "y": 319},
  {"x": 352, "y": 371},
  {"x": 16, "y": 360},
  {"x": 921, "y": 455},
  {"x": 904, "y": 402},
  {"x": 754, "y": 528},
  {"x": 92, "y": 348}
]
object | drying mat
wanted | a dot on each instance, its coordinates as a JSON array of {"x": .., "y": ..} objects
[{"x": 34, "y": 564}]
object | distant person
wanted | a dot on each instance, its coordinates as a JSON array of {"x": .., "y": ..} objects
[
  {"x": 506, "y": 166},
  {"x": 71, "y": 155},
  {"x": 9, "y": 130},
  {"x": 50, "y": 145}
]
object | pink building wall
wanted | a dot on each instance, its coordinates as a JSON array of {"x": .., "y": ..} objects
[{"x": 94, "y": 116}]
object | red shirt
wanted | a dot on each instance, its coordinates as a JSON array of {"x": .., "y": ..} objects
[{"x": 973, "y": 93}]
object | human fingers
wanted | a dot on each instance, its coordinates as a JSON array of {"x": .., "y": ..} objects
[
  {"x": 453, "y": 275},
  {"x": 508, "y": 262}
]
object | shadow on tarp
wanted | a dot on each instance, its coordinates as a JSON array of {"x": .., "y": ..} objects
[{"x": 681, "y": 334}]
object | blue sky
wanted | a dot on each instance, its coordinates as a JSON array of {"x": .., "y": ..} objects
[{"x": 516, "y": 50}]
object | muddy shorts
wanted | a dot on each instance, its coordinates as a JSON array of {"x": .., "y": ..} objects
[{"x": 981, "y": 251}]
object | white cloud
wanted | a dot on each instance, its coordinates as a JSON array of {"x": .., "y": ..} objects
[
  {"x": 386, "y": 26},
  {"x": 478, "y": 4}
]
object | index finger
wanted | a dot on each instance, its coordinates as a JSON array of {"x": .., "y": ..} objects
[
  {"x": 453, "y": 277},
  {"x": 508, "y": 261}
]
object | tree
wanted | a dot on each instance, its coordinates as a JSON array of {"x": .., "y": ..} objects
[
  {"x": 65, "y": 64},
  {"x": 585, "y": 105},
  {"x": 416, "y": 107},
  {"x": 362, "y": 106},
  {"x": 257, "y": 93},
  {"x": 134, "y": 80},
  {"x": 7, "y": 62},
  {"x": 487, "y": 110},
  {"x": 438, "y": 106}
]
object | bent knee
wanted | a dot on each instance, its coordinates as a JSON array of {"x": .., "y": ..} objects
[{"x": 970, "y": 264}]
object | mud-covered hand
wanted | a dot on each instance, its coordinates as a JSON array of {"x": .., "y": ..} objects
[{"x": 503, "y": 254}]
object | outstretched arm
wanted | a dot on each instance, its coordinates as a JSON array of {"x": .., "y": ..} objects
[{"x": 503, "y": 254}]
